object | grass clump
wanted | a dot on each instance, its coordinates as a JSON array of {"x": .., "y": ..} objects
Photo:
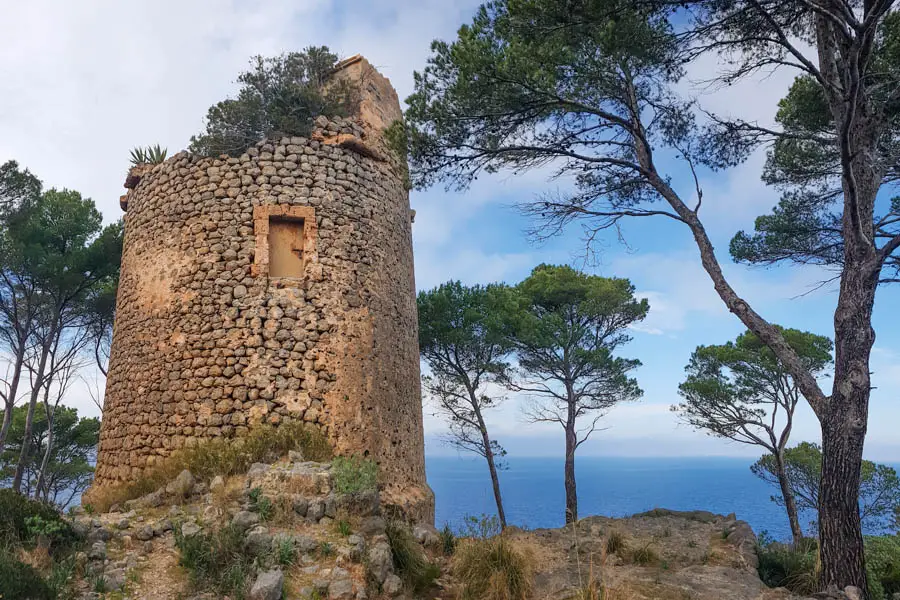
[
  {"x": 261, "y": 505},
  {"x": 219, "y": 456},
  {"x": 493, "y": 569},
  {"x": 644, "y": 556},
  {"x": 409, "y": 559},
  {"x": 285, "y": 552},
  {"x": 217, "y": 560},
  {"x": 616, "y": 543},
  {"x": 793, "y": 567},
  {"x": 354, "y": 474}
]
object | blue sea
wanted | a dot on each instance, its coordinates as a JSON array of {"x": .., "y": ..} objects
[{"x": 533, "y": 493}]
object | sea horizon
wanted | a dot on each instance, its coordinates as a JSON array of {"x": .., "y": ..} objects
[{"x": 612, "y": 486}]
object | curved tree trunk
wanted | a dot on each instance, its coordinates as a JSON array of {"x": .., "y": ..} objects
[
  {"x": 25, "y": 454},
  {"x": 787, "y": 493},
  {"x": 495, "y": 480},
  {"x": 11, "y": 394}
]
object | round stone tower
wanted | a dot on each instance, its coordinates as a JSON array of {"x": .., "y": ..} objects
[{"x": 271, "y": 287}]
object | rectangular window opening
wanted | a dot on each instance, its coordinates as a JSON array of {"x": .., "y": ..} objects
[{"x": 286, "y": 247}]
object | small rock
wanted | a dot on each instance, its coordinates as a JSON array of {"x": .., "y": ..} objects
[
  {"x": 340, "y": 589},
  {"x": 258, "y": 540},
  {"x": 123, "y": 524},
  {"x": 361, "y": 504},
  {"x": 315, "y": 511},
  {"x": 372, "y": 526},
  {"x": 304, "y": 544},
  {"x": 100, "y": 534},
  {"x": 326, "y": 521},
  {"x": 268, "y": 586},
  {"x": 392, "y": 586},
  {"x": 244, "y": 520},
  {"x": 295, "y": 456},
  {"x": 183, "y": 485},
  {"x": 853, "y": 593},
  {"x": 115, "y": 579},
  {"x": 301, "y": 505},
  {"x": 160, "y": 527},
  {"x": 189, "y": 529},
  {"x": 426, "y": 535},
  {"x": 239, "y": 291},
  {"x": 217, "y": 484},
  {"x": 153, "y": 499},
  {"x": 147, "y": 548},
  {"x": 97, "y": 551},
  {"x": 144, "y": 534}
]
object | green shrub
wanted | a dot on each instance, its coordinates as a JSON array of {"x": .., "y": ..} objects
[
  {"x": 493, "y": 569},
  {"x": 285, "y": 552},
  {"x": 354, "y": 474},
  {"x": 343, "y": 527},
  {"x": 883, "y": 566},
  {"x": 482, "y": 527},
  {"x": 261, "y": 505},
  {"x": 220, "y": 456},
  {"x": 410, "y": 561},
  {"x": 23, "y": 520},
  {"x": 21, "y": 581},
  {"x": 448, "y": 540},
  {"x": 217, "y": 560},
  {"x": 281, "y": 95},
  {"x": 795, "y": 568}
]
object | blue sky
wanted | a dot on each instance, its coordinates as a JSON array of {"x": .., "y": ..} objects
[{"x": 85, "y": 82}]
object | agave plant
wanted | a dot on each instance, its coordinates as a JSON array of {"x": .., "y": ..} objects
[{"x": 148, "y": 155}]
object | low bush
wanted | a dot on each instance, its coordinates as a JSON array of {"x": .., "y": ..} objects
[
  {"x": 354, "y": 474},
  {"x": 217, "y": 560},
  {"x": 493, "y": 568},
  {"x": 24, "y": 521},
  {"x": 448, "y": 540},
  {"x": 20, "y": 581},
  {"x": 219, "y": 456},
  {"x": 409, "y": 559},
  {"x": 644, "y": 555},
  {"x": 883, "y": 566},
  {"x": 795, "y": 568}
]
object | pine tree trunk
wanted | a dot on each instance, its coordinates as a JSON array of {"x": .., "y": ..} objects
[
  {"x": 787, "y": 493},
  {"x": 571, "y": 492},
  {"x": 495, "y": 480},
  {"x": 38, "y": 488}
]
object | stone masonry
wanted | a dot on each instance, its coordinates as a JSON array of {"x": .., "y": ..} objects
[{"x": 275, "y": 286}]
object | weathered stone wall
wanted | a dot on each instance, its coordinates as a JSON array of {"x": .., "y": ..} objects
[{"x": 207, "y": 344}]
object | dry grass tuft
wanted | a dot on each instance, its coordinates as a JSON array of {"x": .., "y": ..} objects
[
  {"x": 493, "y": 569},
  {"x": 218, "y": 456}
]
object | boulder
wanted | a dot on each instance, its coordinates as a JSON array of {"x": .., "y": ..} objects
[
  {"x": 183, "y": 485},
  {"x": 258, "y": 540},
  {"x": 189, "y": 529},
  {"x": 301, "y": 506},
  {"x": 97, "y": 551},
  {"x": 340, "y": 589},
  {"x": 144, "y": 534},
  {"x": 244, "y": 520},
  {"x": 218, "y": 483},
  {"x": 381, "y": 561},
  {"x": 268, "y": 586},
  {"x": 392, "y": 586}
]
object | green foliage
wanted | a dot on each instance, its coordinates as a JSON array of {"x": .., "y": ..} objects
[
  {"x": 482, "y": 528},
  {"x": 354, "y": 474},
  {"x": 281, "y": 95},
  {"x": 148, "y": 155},
  {"x": 879, "y": 491},
  {"x": 883, "y": 566},
  {"x": 261, "y": 505},
  {"x": 343, "y": 527},
  {"x": 795, "y": 568},
  {"x": 17, "y": 188},
  {"x": 21, "y": 581},
  {"x": 732, "y": 389},
  {"x": 493, "y": 568},
  {"x": 217, "y": 560},
  {"x": 22, "y": 520},
  {"x": 326, "y": 549},
  {"x": 221, "y": 457},
  {"x": 69, "y": 470},
  {"x": 448, "y": 540},
  {"x": 409, "y": 559},
  {"x": 285, "y": 551}
]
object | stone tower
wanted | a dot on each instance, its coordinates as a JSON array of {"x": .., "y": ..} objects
[{"x": 271, "y": 287}]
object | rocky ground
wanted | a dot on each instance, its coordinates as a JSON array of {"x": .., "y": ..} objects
[{"x": 342, "y": 552}]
